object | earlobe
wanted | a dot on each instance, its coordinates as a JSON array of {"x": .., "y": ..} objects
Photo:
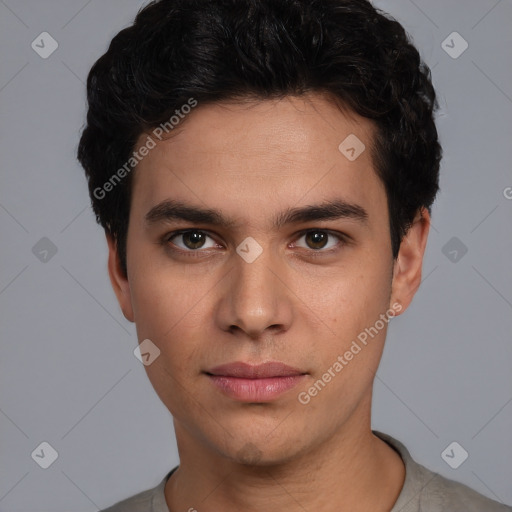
[
  {"x": 408, "y": 265},
  {"x": 119, "y": 281}
]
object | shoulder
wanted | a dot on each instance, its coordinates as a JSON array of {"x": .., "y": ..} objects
[
  {"x": 151, "y": 500},
  {"x": 136, "y": 503},
  {"x": 426, "y": 491},
  {"x": 442, "y": 494}
]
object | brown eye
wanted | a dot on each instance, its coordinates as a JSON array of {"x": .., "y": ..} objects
[
  {"x": 316, "y": 239},
  {"x": 191, "y": 240}
]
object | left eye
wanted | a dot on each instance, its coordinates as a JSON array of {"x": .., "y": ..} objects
[
  {"x": 192, "y": 240},
  {"x": 318, "y": 239}
]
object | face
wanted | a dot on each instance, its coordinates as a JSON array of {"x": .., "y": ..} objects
[{"x": 253, "y": 238}]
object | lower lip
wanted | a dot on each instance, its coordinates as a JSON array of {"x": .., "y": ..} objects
[{"x": 255, "y": 390}]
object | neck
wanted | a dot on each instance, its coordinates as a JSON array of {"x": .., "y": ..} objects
[{"x": 353, "y": 470}]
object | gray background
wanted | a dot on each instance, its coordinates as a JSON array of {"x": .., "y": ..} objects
[{"x": 68, "y": 375}]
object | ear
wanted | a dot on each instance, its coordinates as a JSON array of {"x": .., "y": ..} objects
[
  {"x": 118, "y": 280},
  {"x": 408, "y": 265}
]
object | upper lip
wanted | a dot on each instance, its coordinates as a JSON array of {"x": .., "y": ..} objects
[{"x": 259, "y": 371}]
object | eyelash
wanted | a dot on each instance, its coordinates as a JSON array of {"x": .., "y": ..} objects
[{"x": 193, "y": 253}]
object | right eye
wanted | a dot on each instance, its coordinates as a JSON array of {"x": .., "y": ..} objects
[{"x": 191, "y": 240}]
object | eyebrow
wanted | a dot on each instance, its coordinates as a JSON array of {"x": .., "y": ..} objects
[{"x": 169, "y": 210}]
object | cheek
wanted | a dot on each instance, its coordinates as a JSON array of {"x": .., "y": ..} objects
[
  {"x": 352, "y": 295},
  {"x": 170, "y": 309},
  {"x": 162, "y": 293},
  {"x": 352, "y": 302},
  {"x": 156, "y": 306},
  {"x": 171, "y": 316}
]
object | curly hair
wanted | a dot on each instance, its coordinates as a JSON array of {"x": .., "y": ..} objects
[{"x": 215, "y": 50}]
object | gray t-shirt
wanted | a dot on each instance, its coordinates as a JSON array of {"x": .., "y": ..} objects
[{"x": 423, "y": 491}]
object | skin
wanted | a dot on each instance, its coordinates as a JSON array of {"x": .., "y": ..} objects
[{"x": 296, "y": 303}]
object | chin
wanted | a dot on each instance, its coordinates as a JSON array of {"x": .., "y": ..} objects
[{"x": 252, "y": 450}]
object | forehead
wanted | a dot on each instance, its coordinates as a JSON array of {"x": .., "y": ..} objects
[{"x": 261, "y": 156}]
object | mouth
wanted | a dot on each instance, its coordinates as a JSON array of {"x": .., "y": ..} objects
[{"x": 255, "y": 383}]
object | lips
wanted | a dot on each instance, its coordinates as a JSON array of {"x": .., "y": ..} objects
[
  {"x": 255, "y": 383},
  {"x": 260, "y": 371}
]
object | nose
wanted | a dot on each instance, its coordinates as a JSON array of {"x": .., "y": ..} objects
[{"x": 255, "y": 299}]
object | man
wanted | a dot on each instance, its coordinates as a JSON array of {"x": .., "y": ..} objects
[{"x": 264, "y": 171}]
